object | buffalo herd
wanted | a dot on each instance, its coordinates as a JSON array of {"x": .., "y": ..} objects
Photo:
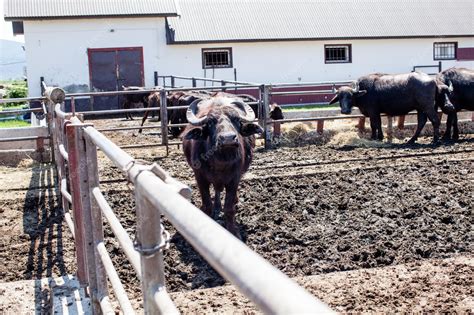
[
  {"x": 218, "y": 129},
  {"x": 452, "y": 90}
]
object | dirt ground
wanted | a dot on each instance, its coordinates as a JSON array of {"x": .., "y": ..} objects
[{"x": 344, "y": 213}]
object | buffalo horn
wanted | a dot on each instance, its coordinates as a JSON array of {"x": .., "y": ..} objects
[
  {"x": 249, "y": 113},
  {"x": 191, "y": 114},
  {"x": 356, "y": 89}
]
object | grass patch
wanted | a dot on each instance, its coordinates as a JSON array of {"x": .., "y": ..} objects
[
  {"x": 15, "y": 107},
  {"x": 14, "y": 123},
  {"x": 309, "y": 107},
  {"x": 14, "y": 89}
]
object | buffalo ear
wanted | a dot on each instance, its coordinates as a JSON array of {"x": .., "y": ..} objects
[
  {"x": 334, "y": 100},
  {"x": 360, "y": 93},
  {"x": 194, "y": 134},
  {"x": 250, "y": 129}
]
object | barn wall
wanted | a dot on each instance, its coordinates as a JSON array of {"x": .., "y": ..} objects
[
  {"x": 294, "y": 61},
  {"x": 57, "y": 50}
]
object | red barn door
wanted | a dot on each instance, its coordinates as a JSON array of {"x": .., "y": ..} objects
[{"x": 112, "y": 68}]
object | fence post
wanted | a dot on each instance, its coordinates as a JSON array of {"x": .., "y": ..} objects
[
  {"x": 440, "y": 67},
  {"x": 149, "y": 235},
  {"x": 164, "y": 118},
  {"x": 155, "y": 78},
  {"x": 264, "y": 109},
  {"x": 76, "y": 176},
  {"x": 99, "y": 288},
  {"x": 41, "y": 85},
  {"x": 87, "y": 225},
  {"x": 223, "y": 86},
  {"x": 194, "y": 82},
  {"x": 51, "y": 133},
  {"x": 172, "y": 82},
  {"x": 235, "y": 78},
  {"x": 60, "y": 138},
  {"x": 401, "y": 122},
  {"x": 320, "y": 126}
]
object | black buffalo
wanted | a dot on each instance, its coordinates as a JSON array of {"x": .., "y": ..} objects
[
  {"x": 174, "y": 99},
  {"x": 393, "y": 95},
  {"x": 455, "y": 92},
  {"x": 135, "y": 98},
  {"x": 218, "y": 144}
]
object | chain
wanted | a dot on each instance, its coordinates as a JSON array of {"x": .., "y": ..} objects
[{"x": 163, "y": 245}]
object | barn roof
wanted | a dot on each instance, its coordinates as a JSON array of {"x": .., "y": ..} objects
[
  {"x": 57, "y": 9},
  {"x": 270, "y": 20}
]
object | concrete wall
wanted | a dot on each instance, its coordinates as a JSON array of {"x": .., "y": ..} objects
[{"x": 57, "y": 50}]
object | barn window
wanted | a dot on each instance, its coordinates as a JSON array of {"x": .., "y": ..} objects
[
  {"x": 217, "y": 58},
  {"x": 337, "y": 53},
  {"x": 445, "y": 51}
]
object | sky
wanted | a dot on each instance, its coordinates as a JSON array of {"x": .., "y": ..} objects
[{"x": 6, "y": 27}]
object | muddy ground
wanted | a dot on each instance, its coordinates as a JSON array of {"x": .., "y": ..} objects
[{"x": 309, "y": 210}]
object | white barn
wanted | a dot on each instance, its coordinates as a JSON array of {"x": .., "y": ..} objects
[{"x": 102, "y": 44}]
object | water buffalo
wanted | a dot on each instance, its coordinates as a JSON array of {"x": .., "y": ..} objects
[
  {"x": 136, "y": 98},
  {"x": 393, "y": 95},
  {"x": 175, "y": 116},
  {"x": 455, "y": 92},
  {"x": 218, "y": 144}
]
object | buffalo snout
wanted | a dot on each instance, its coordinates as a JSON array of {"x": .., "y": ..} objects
[
  {"x": 449, "y": 108},
  {"x": 346, "y": 111},
  {"x": 227, "y": 139}
]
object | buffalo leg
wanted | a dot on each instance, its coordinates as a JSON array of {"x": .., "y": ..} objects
[
  {"x": 379, "y": 129},
  {"x": 435, "y": 121},
  {"x": 449, "y": 123},
  {"x": 455, "y": 126},
  {"x": 217, "y": 204},
  {"x": 203, "y": 186},
  {"x": 422, "y": 118},
  {"x": 376, "y": 127},
  {"x": 145, "y": 116},
  {"x": 230, "y": 210}
]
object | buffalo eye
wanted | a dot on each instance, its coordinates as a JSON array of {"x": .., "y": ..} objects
[
  {"x": 250, "y": 129},
  {"x": 194, "y": 134}
]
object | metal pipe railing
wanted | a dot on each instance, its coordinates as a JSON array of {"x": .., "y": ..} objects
[
  {"x": 128, "y": 128},
  {"x": 59, "y": 112},
  {"x": 20, "y": 111},
  {"x": 119, "y": 291},
  {"x": 21, "y": 99},
  {"x": 309, "y": 84},
  {"x": 119, "y": 232},
  {"x": 63, "y": 152},
  {"x": 206, "y": 79},
  {"x": 118, "y": 111},
  {"x": 120, "y": 158},
  {"x": 64, "y": 191},
  {"x": 14, "y": 139},
  {"x": 319, "y": 92}
]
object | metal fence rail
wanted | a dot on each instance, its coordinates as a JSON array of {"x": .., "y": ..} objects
[{"x": 76, "y": 144}]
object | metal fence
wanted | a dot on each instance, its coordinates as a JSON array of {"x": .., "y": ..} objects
[
  {"x": 75, "y": 145},
  {"x": 438, "y": 67}
]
